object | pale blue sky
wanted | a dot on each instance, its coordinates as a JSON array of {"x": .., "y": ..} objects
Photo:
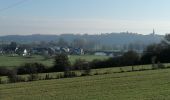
[{"x": 84, "y": 16}]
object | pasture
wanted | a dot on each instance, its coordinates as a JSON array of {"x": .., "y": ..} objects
[
  {"x": 140, "y": 85},
  {"x": 13, "y": 61}
]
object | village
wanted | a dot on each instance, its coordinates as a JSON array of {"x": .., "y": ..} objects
[
  {"x": 41, "y": 51},
  {"x": 14, "y": 49}
]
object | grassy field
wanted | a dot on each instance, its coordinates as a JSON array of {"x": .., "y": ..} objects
[
  {"x": 141, "y": 85},
  {"x": 12, "y": 61}
]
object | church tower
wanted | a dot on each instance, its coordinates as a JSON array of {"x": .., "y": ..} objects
[{"x": 153, "y": 32}]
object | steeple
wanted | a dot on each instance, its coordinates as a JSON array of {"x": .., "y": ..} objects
[{"x": 153, "y": 32}]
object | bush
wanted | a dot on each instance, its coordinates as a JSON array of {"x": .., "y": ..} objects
[
  {"x": 160, "y": 65},
  {"x": 80, "y": 64},
  {"x": 121, "y": 70},
  {"x": 58, "y": 76},
  {"x": 33, "y": 77},
  {"x": 96, "y": 73},
  {"x": 1, "y": 81},
  {"x": 130, "y": 58},
  {"x": 69, "y": 74},
  {"x": 96, "y": 63},
  {"x": 61, "y": 63},
  {"x": 127, "y": 59},
  {"x": 20, "y": 79},
  {"x": 48, "y": 77},
  {"x": 87, "y": 70},
  {"x": 13, "y": 77},
  {"x": 4, "y": 71},
  {"x": 31, "y": 68}
]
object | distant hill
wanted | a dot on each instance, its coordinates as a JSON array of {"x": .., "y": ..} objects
[{"x": 104, "y": 39}]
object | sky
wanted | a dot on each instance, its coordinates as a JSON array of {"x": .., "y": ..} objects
[{"x": 24, "y": 17}]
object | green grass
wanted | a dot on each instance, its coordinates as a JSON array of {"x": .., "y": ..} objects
[
  {"x": 141, "y": 85},
  {"x": 13, "y": 61},
  {"x": 86, "y": 57}
]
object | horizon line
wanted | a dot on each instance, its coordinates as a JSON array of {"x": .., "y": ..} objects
[{"x": 59, "y": 34}]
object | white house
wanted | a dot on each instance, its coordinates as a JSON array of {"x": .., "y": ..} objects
[{"x": 25, "y": 52}]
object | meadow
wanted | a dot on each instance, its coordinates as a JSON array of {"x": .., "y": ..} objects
[
  {"x": 13, "y": 61},
  {"x": 119, "y": 83},
  {"x": 139, "y": 85}
]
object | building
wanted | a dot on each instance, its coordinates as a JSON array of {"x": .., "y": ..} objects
[
  {"x": 108, "y": 53},
  {"x": 25, "y": 53}
]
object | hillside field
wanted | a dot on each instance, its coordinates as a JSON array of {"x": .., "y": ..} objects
[
  {"x": 140, "y": 85},
  {"x": 13, "y": 61}
]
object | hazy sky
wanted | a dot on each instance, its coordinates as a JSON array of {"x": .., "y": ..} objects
[{"x": 84, "y": 16}]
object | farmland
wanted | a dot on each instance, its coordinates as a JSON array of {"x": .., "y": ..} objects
[
  {"x": 137, "y": 82},
  {"x": 13, "y": 61},
  {"x": 140, "y": 85}
]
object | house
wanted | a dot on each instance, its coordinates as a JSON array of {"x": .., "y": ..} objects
[
  {"x": 25, "y": 53},
  {"x": 56, "y": 50},
  {"x": 39, "y": 50},
  {"x": 76, "y": 51},
  {"x": 1, "y": 52},
  {"x": 65, "y": 50}
]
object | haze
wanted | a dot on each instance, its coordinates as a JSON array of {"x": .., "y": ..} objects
[{"x": 83, "y": 16}]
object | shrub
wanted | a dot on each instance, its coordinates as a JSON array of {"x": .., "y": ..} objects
[
  {"x": 4, "y": 71},
  {"x": 33, "y": 77},
  {"x": 69, "y": 74},
  {"x": 96, "y": 73},
  {"x": 130, "y": 58},
  {"x": 107, "y": 72},
  {"x": 61, "y": 63},
  {"x": 133, "y": 69},
  {"x": 127, "y": 59},
  {"x": 47, "y": 77},
  {"x": 20, "y": 79},
  {"x": 13, "y": 77},
  {"x": 60, "y": 75},
  {"x": 1, "y": 81},
  {"x": 31, "y": 68},
  {"x": 160, "y": 65},
  {"x": 79, "y": 64},
  {"x": 121, "y": 70},
  {"x": 87, "y": 70},
  {"x": 96, "y": 63}
]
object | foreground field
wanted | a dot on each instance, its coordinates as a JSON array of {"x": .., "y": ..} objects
[
  {"x": 141, "y": 85},
  {"x": 13, "y": 61}
]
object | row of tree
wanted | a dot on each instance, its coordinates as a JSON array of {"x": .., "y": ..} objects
[{"x": 88, "y": 45}]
